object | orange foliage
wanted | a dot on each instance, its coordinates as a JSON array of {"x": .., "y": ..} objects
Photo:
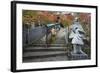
[{"x": 85, "y": 18}]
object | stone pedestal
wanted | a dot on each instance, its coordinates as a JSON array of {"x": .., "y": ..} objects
[{"x": 80, "y": 56}]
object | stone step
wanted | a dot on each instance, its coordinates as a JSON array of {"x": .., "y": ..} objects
[
  {"x": 58, "y": 57},
  {"x": 45, "y": 49},
  {"x": 42, "y": 50},
  {"x": 37, "y": 54},
  {"x": 48, "y": 45}
]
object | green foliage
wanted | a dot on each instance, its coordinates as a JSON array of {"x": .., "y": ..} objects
[
  {"x": 29, "y": 16},
  {"x": 87, "y": 51}
]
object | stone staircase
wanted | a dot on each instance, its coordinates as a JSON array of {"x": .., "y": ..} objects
[{"x": 42, "y": 54}]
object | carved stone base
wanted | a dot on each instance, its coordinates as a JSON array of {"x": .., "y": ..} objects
[{"x": 78, "y": 56}]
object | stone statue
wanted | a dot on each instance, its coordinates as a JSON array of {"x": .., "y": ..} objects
[
  {"x": 77, "y": 40},
  {"x": 77, "y": 36}
]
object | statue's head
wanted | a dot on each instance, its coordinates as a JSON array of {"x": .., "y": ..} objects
[{"x": 76, "y": 19}]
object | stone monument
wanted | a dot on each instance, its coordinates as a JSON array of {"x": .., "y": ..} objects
[{"x": 77, "y": 36}]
